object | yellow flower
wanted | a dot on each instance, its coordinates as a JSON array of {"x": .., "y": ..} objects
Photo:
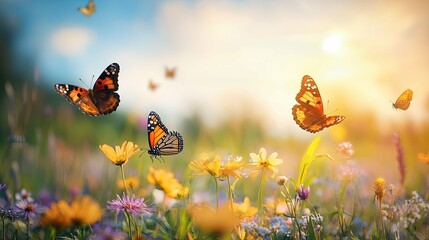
[
  {"x": 132, "y": 182},
  {"x": 120, "y": 155},
  {"x": 165, "y": 181},
  {"x": 379, "y": 189},
  {"x": 231, "y": 168},
  {"x": 58, "y": 215},
  {"x": 206, "y": 166},
  {"x": 82, "y": 211},
  {"x": 206, "y": 218},
  {"x": 261, "y": 162},
  {"x": 245, "y": 209}
]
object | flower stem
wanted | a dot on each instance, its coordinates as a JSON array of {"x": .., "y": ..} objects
[
  {"x": 123, "y": 178},
  {"x": 4, "y": 230},
  {"x": 217, "y": 194},
  {"x": 382, "y": 221},
  {"x": 230, "y": 194},
  {"x": 260, "y": 192},
  {"x": 128, "y": 217}
]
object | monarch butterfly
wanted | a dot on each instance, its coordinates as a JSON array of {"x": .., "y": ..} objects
[
  {"x": 89, "y": 9},
  {"x": 161, "y": 141},
  {"x": 170, "y": 72},
  {"x": 404, "y": 100},
  {"x": 308, "y": 114}
]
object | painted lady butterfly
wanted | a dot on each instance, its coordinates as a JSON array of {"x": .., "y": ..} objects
[{"x": 102, "y": 99}]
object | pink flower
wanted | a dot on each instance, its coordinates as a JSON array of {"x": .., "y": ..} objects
[
  {"x": 133, "y": 205},
  {"x": 303, "y": 193},
  {"x": 345, "y": 149}
]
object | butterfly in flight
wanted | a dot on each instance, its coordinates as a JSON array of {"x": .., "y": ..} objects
[
  {"x": 161, "y": 141},
  {"x": 89, "y": 9},
  {"x": 152, "y": 85},
  {"x": 100, "y": 100},
  {"x": 170, "y": 72},
  {"x": 308, "y": 114},
  {"x": 404, "y": 100}
]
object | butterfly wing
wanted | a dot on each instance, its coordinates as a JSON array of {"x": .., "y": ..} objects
[
  {"x": 162, "y": 142},
  {"x": 105, "y": 97},
  {"x": 78, "y": 96},
  {"x": 423, "y": 157},
  {"x": 170, "y": 73},
  {"x": 152, "y": 86},
  {"x": 404, "y": 100},
  {"x": 308, "y": 114},
  {"x": 89, "y": 9}
]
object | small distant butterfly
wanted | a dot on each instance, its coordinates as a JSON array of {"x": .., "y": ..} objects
[
  {"x": 89, "y": 9},
  {"x": 404, "y": 100},
  {"x": 170, "y": 72},
  {"x": 153, "y": 86},
  {"x": 102, "y": 99},
  {"x": 308, "y": 114},
  {"x": 161, "y": 141},
  {"x": 423, "y": 157}
]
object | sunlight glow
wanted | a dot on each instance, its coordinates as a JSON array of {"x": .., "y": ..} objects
[{"x": 333, "y": 43}]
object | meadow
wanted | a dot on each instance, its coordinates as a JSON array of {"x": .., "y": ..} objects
[{"x": 67, "y": 175}]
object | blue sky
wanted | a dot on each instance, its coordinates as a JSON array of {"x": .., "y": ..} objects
[{"x": 235, "y": 57}]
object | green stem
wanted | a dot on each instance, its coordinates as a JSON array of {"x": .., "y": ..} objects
[
  {"x": 128, "y": 217},
  {"x": 4, "y": 230},
  {"x": 123, "y": 178},
  {"x": 217, "y": 194},
  {"x": 260, "y": 192},
  {"x": 230, "y": 194},
  {"x": 28, "y": 228}
]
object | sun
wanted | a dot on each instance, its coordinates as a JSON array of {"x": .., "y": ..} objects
[{"x": 333, "y": 43}]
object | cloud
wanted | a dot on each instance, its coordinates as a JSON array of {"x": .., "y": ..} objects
[{"x": 71, "y": 41}]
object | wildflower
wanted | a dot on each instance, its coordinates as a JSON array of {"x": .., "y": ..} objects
[
  {"x": 400, "y": 158},
  {"x": 120, "y": 155},
  {"x": 107, "y": 233},
  {"x": 345, "y": 149},
  {"x": 2, "y": 186},
  {"x": 279, "y": 225},
  {"x": 245, "y": 209},
  {"x": 231, "y": 168},
  {"x": 303, "y": 193},
  {"x": 206, "y": 166},
  {"x": 132, "y": 182},
  {"x": 58, "y": 215},
  {"x": 82, "y": 211},
  {"x": 379, "y": 189},
  {"x": 27, "y": 210},
  {"x": 165, "y": 181},
  {"x": 261, "y": 162},
  {"x": 208, "y": 219},
  {"x": 133, "y": 205},
  {"x": 281, "y": 180},
  {"x": 8, "y": 213},
  {"x": 24, "y": 195}
]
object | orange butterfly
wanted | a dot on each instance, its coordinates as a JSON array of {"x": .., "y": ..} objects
[
  {"x": 153, "y": 86},
  {"x": 161, "y": 141},
  {"x": 423, "y": 157},
  {"x": 89, "y": 9},
  {"x": 170, "y": 72},
  {"x": 308, "y": 114},
  {"x": 102, "y": 99},
  {"x": 404, "y": 100}
]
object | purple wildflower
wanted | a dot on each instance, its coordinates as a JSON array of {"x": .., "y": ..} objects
[
  {"x": 2, "y": 186},
  {"x": 8, "y": 213},
  {"x": 133, "y": 205},
  {"x": 107, "y": 233},
  {"x": 24, "y": 195},
  {"x": 27, "y": 210},
  {"x": 303, "y": 193}
]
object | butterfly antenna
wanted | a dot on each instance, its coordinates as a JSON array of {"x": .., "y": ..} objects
[{"x": 80, "y": 79}]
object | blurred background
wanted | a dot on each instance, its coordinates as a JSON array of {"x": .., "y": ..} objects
[{"x": 238, "y": 67}]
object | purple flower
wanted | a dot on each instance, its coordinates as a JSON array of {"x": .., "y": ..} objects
[
  {"x": 2, "y": 186},
  {"x": 27, "y": 210},
  {"x": 303, "y": 193},
  {"x": 133, "y": 205},
  {"x": 24, "y": 195},
  {"x": 8, "y": 213},
  {"x": 107, "y": 233}
]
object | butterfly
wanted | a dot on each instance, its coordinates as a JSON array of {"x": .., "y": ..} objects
[
  {"x": 153, "y": 86},
  {"x": 89, "y": 9},
  {"x": 170, "y": 72},
  {"x": 404, "y": 100},
  {"x": 423, "y": 157},
  {"x": 102, "y": 99},
  {"x": 308, "y": 114},
  {"x": 161, "y": 141}
]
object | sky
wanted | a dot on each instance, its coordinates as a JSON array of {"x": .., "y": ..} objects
[{"x": 235, "y": 57}]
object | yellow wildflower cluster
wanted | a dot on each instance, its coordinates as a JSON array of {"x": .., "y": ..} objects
[
  {"x": 120, "y": 154},
  {"x": 165, "y": 181},
  {"x": 217, "y": 169}
]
